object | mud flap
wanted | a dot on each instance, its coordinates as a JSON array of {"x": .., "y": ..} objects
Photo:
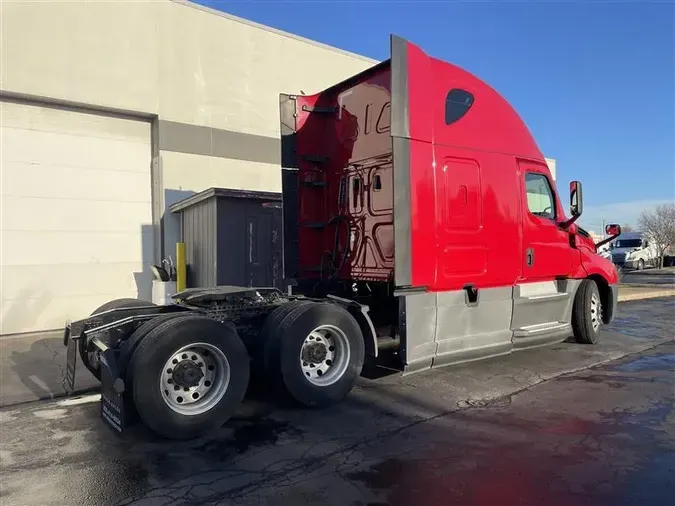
[
  {"x": 71, "y": 362},
  {"x": 113, "y": 410}
]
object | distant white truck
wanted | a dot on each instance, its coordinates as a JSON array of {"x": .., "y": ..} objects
[
  {"x": 605, "y": 251},
  {"x": 634, "y": 250}
]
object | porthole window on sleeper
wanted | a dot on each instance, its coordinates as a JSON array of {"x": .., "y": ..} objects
[{"x": 457, "y": 104}]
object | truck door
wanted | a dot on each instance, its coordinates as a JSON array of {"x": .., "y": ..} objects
[{"x": 546, "y": 250}]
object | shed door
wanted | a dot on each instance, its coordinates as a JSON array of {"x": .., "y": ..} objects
[
  {"x": 263, "y": 248},
  {"x": 249, "y": 244},
  {"x": 76, "y": 217}
]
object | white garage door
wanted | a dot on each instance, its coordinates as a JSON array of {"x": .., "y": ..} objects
[{"x": 76, "y": 214}]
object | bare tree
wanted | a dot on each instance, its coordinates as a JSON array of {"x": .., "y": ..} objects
[
  {"x": 626, "y": 228},
  {"x": 659, "y": 226}
]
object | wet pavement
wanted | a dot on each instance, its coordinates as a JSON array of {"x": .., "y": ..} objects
[{"x": 565, "y": 425}]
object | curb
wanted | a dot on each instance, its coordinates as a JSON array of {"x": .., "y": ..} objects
[
  {"x": 649, "y": 295},
  {"x": 653, "y": 286}
]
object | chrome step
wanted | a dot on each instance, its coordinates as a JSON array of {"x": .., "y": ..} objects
[{"x": 540, "y": 328}]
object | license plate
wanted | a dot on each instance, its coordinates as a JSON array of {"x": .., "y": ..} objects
[
  {"x": 112, "y": 402},
  {"x": 71, "y": 363}
]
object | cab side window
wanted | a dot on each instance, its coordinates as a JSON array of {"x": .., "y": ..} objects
[{"x": 540, "y": 200}]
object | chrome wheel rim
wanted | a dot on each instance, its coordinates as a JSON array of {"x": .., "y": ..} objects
[
  {"x": 596, "y": 312},
  {"x": 325, "y": 355},
  {"x": 194, "y": 379}
]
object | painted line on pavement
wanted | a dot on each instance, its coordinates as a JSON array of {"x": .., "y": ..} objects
[
  {"x": 647, "y": 295},
  {"x": 83, "y": 399}
]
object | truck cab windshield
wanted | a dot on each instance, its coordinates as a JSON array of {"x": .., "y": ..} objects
[{"x": 628, "y": 243}]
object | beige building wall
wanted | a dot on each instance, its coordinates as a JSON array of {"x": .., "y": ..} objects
[
  {"x": 182, "y": 63},
  {"x": 207, "y": 85}
]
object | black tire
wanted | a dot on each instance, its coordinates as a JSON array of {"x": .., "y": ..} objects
[
  {"x": 290, "y": 336},
  {"x": 128, "y": 347},
  {"x": 586, "y": 310},
  {"x": 92, "y": 367},
  {"x": 156, "y": 348},
  {"x": 126, "y": 351},
  {"x": 269, "y": 338},
  {"x": 640, "y": 265}
]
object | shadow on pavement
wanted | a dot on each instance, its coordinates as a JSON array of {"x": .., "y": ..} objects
[{"x": 33, "y": 367}]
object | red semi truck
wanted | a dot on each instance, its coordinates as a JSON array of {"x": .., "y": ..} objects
[{"x": 420, "y": 218}]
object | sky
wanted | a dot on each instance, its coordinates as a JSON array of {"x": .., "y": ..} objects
[{"x": 594, "y": 80}]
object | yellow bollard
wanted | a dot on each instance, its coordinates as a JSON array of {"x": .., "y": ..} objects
[{"x": 181, "y": 267}]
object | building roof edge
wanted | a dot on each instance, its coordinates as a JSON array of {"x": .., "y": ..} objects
[{"x": 276, "y": 31}]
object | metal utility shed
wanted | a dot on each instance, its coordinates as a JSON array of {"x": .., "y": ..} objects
[{"x": 232, "y": 237}]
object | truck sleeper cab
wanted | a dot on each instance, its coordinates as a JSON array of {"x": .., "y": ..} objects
[
  {"x": 421, "y": 228},
  {"x": 415, "y": 188}
]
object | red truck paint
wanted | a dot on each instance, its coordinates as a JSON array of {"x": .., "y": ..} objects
[{"x": 394, "y": 186}]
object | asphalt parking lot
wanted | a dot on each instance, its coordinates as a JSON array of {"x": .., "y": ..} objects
[
  {"x": 664, "y": 276},
  {"x": 556, "y": 426}
]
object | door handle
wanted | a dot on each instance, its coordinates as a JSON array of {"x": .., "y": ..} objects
[{"x": 529, "y": 257}]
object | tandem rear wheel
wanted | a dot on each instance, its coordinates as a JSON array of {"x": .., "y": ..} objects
[
  {"x": 312, "y": 351},
  {"x": 187, "y": 375}
]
